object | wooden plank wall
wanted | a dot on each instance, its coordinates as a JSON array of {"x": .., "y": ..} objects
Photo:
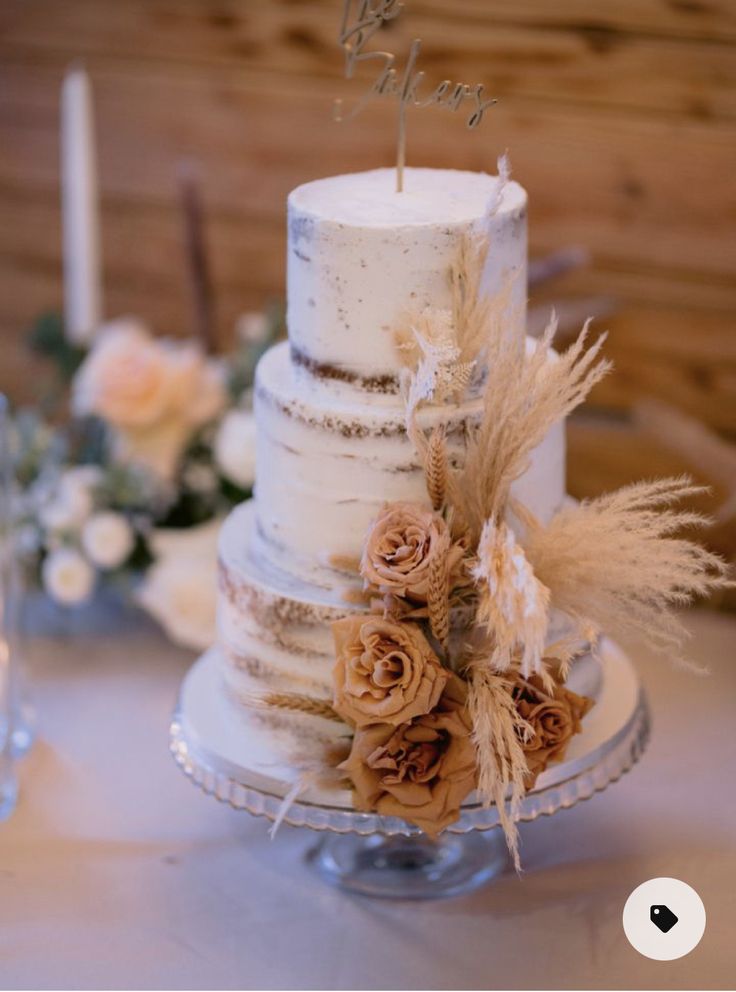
[{"x": 619, "y": 115}]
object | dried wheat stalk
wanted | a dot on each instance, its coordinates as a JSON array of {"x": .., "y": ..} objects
[
  {"x": 293, "y": 701},
  {"x": 436, "y": 467},
  {"x": 438, "y": 599},
  {"x": 613, "y": 563}
]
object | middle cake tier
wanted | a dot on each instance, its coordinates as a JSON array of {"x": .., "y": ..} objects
[{"x": 329, "y": 456}]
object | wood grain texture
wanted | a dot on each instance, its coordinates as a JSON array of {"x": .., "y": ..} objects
[
  {"x": 619, "y": 117},
  {"x": 581, "y": 61}
]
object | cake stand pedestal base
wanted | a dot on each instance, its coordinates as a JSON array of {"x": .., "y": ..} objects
[{"x": 413, "y": 867}]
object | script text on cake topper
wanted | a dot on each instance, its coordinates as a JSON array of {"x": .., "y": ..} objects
[{"x": 360, "y": 22}]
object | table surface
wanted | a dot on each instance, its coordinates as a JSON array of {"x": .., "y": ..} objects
[{"x": 116, "y": 872}]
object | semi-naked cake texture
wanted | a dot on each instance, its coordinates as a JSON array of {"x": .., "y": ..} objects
[{"x": 332, "y": 447}]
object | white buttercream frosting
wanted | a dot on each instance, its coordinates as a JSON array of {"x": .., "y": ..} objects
[
  {"x": 360, "y": 255},
  {"x": 327, "y": 460}
]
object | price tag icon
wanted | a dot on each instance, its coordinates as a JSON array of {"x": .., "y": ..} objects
[{"x": 662, "y": 917}]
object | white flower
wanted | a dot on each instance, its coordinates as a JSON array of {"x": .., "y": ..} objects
[
  {"x": 179, "y": 589},
  {"x": 68, "y": 577},
  {"x": 154, "y": 393},
  {"x": 200, "y": 478},
  {"x": 514, "y": 604},
  {"x": 82, "y": 477},
  {"x": 235, "y": 447},
  {"x": 73, "y": 501},
  {"x": 107, "y": 539}
]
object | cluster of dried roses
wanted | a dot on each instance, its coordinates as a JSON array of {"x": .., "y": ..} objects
[{"x": 413, "y": 753}]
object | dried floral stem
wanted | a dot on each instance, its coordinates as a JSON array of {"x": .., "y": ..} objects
[
  {"x": 613, "y": 563},
  {"x": 293, "y": 701},
  {"x": 436, "y": 467},
  {"x": 513, "y": 605},
  {"x": 498, "y": 733},
  {"x": 321, "y": 772},
  {"x": 470, "y": 305},
  {"x": 525, "y": 395},
  {"x": 438, "y": 599}
]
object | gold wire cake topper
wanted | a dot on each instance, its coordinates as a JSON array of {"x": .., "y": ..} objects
[{"x": 359, "y": 24}]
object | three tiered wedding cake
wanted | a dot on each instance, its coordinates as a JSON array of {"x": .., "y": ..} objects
[
  {"x": 332, "y": 440},
  {"x": 410, "y": 610}
]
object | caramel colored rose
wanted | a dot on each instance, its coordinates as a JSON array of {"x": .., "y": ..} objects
[
  {"x": 421, "y": 771},
  {"x": 402, "y": 545},
  {"x": 386, "y": 672},
  {"x": 554, "y": 719}
]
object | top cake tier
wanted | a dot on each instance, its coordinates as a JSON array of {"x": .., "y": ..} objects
[{"x": 361, "y": 255}]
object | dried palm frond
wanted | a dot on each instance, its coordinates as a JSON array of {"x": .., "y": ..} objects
[
  {"x": 471, "y": 306},
  {"x": 321, "y": 772},
  {"x": 513, "y": 604},
  {"x": 498, "y": 734},
  {"x": 525, "y": 395},
  {"x": 560, "y": 654},
  {"x": 613, "y": 563}
]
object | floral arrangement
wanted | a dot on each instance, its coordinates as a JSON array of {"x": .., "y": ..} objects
[
  {"x": 143, "y": 445},
  {"x": 452, "y": 677}
]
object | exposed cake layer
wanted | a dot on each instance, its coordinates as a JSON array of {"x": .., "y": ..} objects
[
  {"x": 360, "y": 255},
  {"x": 327, "y": 460},
  {"x": 274, "y": 636}
]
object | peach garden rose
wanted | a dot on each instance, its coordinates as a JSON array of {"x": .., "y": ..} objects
[
  {"x": 153, "y": 392},
  {"x": 386, "y": 672}
]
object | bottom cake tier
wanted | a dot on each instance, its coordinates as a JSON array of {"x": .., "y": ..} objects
[{"x": 230, "y": 754}]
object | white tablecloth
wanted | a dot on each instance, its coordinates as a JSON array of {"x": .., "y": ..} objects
[{"x": 116, "y": 872}]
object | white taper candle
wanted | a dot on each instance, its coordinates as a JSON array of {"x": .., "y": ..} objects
[{"x": 82, "y": 288}]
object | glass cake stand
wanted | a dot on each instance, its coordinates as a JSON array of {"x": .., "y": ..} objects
[{"x": 384, "y": 856}]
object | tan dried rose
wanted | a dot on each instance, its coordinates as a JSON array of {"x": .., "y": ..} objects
[
  {"x": 401, "y": 546},
  {"x": 386, "y": 672},
  {"x": 554, "y": 718},
  {"x": 421, "y": 771}
]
